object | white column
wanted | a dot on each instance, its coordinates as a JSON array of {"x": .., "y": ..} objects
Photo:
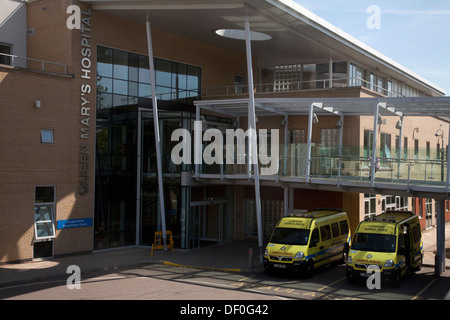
[
  {"x": 157, "y": 137},
  {"x": 253, "y": 150}
]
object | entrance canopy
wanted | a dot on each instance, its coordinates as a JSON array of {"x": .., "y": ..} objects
[
  {"x": 407, "y": 107},
  {"x": 296, "y": 35}
]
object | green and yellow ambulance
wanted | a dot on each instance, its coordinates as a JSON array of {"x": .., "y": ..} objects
[
  {"x": 391, "y": 243},
  {"x": 302, "y": 242}
]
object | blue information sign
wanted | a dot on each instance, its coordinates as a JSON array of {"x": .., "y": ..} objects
[{"x": 74, "y": 223}]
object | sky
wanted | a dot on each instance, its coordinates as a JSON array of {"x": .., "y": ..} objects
[{"x": 414, "y": 33}]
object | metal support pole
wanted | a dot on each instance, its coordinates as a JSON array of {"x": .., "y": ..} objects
[
  {"x": 400, "y": 140},
  {"x": 285, "y": 200},
  {"x": 286, "y": 141},
  {"x": 341, "y": 136},
  {"x": 330, "y": 71},
  {"x": 374, "y": 145},
  {"x": 440, "y": 236},
  {"x": 197, "y": 142},
  {"x": 157, "y": 137},
  {"x": 309, "y": 144},
  {"x": 138, "y": 174},
  {"x": 253, "y": 150}
]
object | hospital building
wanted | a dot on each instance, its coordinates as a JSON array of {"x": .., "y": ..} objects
[{"x": 92, "y": 91}]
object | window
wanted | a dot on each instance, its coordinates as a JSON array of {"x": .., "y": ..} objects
[
  {"x": 368, "y": 142},
  {"x": 287, "y": 77},
  {"x": 344, "y": 227},
  {"x": 271, "y": 212},
  {"x": 355, "y": 76},
  {"x": 330, "y": 137},
  {"x": 239, "y": 83},
  {"x": 315, "y": 236},
  {"x": 416, "y": 149},
  {"x": 335, "y": 229},
  {"x": 325, "y": 233},
  {"x": 44, "y": 222},
  {"x": 372, "y": 81},
  {"x": 405, "y": 148},
  {"x": 297, "y": 136},
  {"x": 123, "y": 77},
  {"x": 369, "y": 205},
  {"x": 385, "y": 148},
  {"x": 5, "y": 51},
  {"x": 47, "y": 136}
]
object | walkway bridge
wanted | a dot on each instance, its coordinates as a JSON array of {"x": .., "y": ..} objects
[{"x": 341, "y": 170}]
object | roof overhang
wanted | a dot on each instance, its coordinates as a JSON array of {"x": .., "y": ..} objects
[
  {"x": 406, "y": 107},
  {"x": 298, "y": 36}
]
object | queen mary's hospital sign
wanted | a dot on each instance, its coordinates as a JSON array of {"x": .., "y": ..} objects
[{"x": 81, "y": 20}]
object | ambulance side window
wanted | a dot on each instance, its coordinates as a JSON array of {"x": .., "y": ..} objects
[
  {"x": 325, "y": 232},
  {"x": 314, "y": 237},
  {"x": 335, "y": 229}
]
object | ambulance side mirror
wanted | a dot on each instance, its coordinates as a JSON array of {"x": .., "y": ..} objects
[
  {"x": 313, "y": 243},
  {"x": 401, "y": 251},
  {"x": 346, "y": 247}
]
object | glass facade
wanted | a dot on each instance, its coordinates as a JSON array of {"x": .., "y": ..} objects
[{"x": 122, "y": 79}]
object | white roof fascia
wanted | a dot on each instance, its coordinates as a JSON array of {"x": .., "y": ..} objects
[{"x": 296, "y": 10}]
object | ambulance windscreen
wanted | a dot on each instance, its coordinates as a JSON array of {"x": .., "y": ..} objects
[
  {"x": 290, "y": 236},
  {"x": 374, "y": 242}
]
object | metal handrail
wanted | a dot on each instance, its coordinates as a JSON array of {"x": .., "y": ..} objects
[
  {"x": 298, "y": 86},
  {"x": 42, "y": 62}
]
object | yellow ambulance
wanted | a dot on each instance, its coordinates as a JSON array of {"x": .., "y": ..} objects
[
  {"x": 302, "y": 242},
  {"x": 390, "y": 243}
]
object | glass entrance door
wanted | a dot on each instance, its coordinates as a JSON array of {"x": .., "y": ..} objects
[{"x": 208, "y": 221}]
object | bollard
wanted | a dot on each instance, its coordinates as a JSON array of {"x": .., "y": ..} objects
[
  {"x": 250, "y": 258},
  {"x": 437, "y": 266}
]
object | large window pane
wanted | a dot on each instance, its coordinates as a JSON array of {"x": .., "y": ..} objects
[
  {"x": 145, "y": 90},
  {"x": 144, "y": 70},
  {"x": 104, "y": 61},
  {"x": 133, "y": 69},
  {"x": 163, "y": 73},
  {"x": 120, "y": 87},
  {"x": 104, "y": 84},
  {"x": 120, "y": 64}
]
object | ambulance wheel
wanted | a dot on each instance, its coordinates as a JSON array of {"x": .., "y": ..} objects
[
  {"x": 397, "y": 279},
  {"x": 309, "y": 270}
]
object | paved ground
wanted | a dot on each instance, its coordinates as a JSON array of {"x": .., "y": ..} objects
[{"x": 230, "y": 256}]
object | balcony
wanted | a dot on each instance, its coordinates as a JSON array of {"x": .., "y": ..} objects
[
  {"x": 419, "y": 177},
  {"x": 33, "y": 64},
  {"x": 290, "y": 87},
  {"x": 420, "y": 173}
]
